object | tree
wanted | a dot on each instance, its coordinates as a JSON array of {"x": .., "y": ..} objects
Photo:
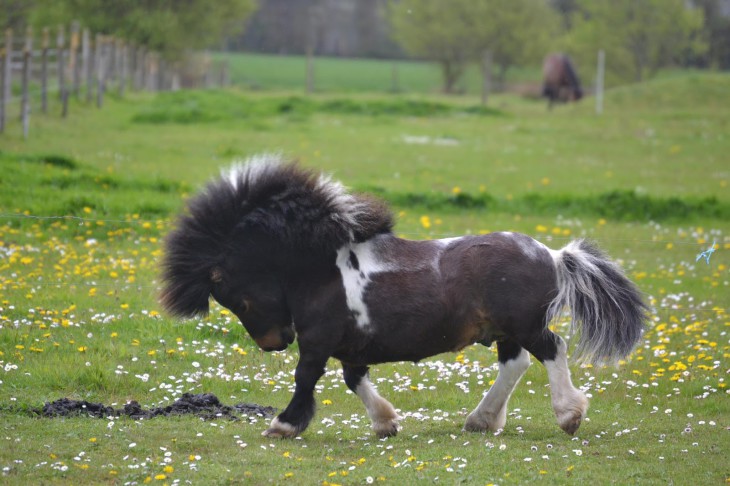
[
  {"x": 169, "y": 26},
  {"x": 13, "y": 14},
  {"x": 457, "y": 32},
  {"x": 717, "y": 27},
  {"x": 436, "y": 30},
  {"x": 638, "y": 36},
  {"x": 516, "y": 33}
]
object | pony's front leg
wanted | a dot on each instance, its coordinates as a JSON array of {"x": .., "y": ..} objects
[
  {"x": 297, "y": 415},
  {"x": 380, "y": 411}
]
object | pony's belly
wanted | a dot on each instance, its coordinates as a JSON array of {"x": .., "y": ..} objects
[{"x": 414, "y": 341}]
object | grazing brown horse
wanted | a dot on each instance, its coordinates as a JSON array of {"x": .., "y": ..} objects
[
  {"x": 560, "y": 80},
  {"x": 294, "y": 255}
]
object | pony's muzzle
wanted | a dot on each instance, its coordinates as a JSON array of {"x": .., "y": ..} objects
[{"x": 277, "y": 339}]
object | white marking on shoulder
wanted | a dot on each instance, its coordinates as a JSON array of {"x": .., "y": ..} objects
[{"x": 356, "y": 275}]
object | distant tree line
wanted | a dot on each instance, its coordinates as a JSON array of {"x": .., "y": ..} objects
[{"x": 638, "y": 36}]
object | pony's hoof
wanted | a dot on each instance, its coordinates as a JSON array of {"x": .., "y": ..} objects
[
  {"x": 478, "y": 423},
  {"x": 280, "y": 430},
  {"x": 386, "y": 429},
  {"x": 571, "y": 425}
]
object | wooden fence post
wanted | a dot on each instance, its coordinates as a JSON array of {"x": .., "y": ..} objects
[
  {"x": 110, "y": 73},
  {"x": 60, "y": 43},
  {"x": 175, "y": 81},
  {"x": 25, "y": 82},
  {"x": 44, "y": 71},
  {"x": 73, "y": 59},
  {"x": 599, "y": 81},
  {"x": 2, "y": 89},
  {"x": 123, "y": 66},
  {"x": 394, "y": 78},
  {"x": 88, "y": 64},
  {"x": 225, "y": 74},
  {"x": 142, "y": 68},
  {"x": 486, "y": 75},
  {"x": 207, "y": 74},
  {"x": 6, "y": 80},
  {"x": 99, "y": 65}
]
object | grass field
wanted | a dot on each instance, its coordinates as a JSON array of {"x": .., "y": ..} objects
[
  {"x": 266, "y": 72},
  {"x": 79, "y": 318}
]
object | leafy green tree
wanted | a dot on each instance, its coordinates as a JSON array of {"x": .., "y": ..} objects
[
  {"x": 516, "y": 33},
  {"x": 456, "y": 32},
  {"x": 168, "y": 26},
  {"x": 13, "y": 14},
  {"x": 638, "y": 36},
  {"x": 436, "y": 30},
  {"x": 717, "y": 27}
]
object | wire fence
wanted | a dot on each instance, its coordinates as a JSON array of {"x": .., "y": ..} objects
[{"x": 34, "y": 69}]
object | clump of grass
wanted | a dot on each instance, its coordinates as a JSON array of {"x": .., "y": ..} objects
[
  {"x": 50, "y": 185},
  {"x": 619, "y": 205},
  {"x": 60, "y": 161},
  {"x": 188, "y": 107}
]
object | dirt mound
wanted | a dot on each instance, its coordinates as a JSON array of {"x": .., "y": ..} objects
[{"x": 204, "y": 405}]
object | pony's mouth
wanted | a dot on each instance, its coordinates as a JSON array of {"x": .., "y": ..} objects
[{"x": 276, "y": 339}]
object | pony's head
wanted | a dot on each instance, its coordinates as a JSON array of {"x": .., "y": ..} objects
[{"x": 246, "y": 232}]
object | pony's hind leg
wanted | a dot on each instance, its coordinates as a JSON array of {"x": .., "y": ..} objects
[
  {"x": 491, "y": 413},
  {"x": 569, "y": 403},
  {"x": 381, "y": 412}
]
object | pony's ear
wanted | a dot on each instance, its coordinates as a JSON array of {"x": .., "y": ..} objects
[{"x": 186, "y": 299}]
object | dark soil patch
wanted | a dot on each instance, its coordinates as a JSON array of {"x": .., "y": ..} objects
[{"x": 204, "y": 405}]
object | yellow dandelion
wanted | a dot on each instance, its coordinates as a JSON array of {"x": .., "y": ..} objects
[{"x": 326, "y": 402}]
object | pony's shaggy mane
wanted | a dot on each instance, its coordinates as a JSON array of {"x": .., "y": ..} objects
[{"x": 301, "y": 210}]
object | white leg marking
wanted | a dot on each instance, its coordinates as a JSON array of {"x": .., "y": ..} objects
[
  {"x": 491, "y": 413},
  {"x": 569, "y": 403},
  {"x": 380, "y": 411},
  {"x": 279, "y": 429}
]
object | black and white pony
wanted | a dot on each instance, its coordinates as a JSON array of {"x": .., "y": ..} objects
[{"x": 294, "y": 255}]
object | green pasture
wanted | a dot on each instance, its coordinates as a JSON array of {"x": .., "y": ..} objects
[
  {"x": 266, "y": 72},
  {"x": 85, "y": 203}
]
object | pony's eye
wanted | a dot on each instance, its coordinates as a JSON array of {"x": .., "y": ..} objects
[{"x": 245, "y": 305}]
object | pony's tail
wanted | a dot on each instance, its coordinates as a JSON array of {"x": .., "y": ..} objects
[{"x": 607, "y": 309}]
